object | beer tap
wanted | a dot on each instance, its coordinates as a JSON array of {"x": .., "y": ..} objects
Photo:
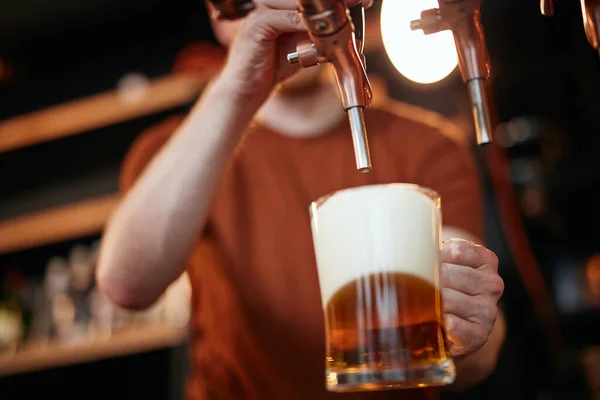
[
  {"x": 590, "y": 9},
  {"x": 547, "y": 8},
  {"x": 337, "y": 37},
  {"x": 463, "y": 17}
]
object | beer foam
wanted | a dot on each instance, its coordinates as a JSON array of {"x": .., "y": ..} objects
[{"x": 373, "y": 229}]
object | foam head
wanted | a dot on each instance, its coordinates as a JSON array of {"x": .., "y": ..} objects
[{"x": 376, "y": 229}]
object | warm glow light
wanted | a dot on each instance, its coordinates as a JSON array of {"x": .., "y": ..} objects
[{"x": 419, "y": 57}]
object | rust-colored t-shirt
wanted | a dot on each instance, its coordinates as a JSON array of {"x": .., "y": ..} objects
[{"x": 257, "y": 314}]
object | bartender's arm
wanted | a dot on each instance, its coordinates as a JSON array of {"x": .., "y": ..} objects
[{"x": 151, "y": 234}]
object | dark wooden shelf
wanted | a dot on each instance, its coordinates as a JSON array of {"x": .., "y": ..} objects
[
  {"x": 100, "y": 111},
  {"x": 56, "y": 225},
  {"x": 36, "y": 357}
]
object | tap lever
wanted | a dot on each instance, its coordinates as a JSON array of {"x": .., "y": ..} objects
[
  {"x": 306, "y": 54},
  {"x": 293, "y": 58},
  {"x": 431, "y": 22}
]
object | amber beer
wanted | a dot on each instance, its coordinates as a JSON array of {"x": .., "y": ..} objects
[{"x": 378, "y": 258}]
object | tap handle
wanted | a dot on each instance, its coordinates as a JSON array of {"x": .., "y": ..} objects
[
  {"x": 431, "y": 21},
  {"x": 547, "y": 7},
  {"x": 232, "y": 9}
]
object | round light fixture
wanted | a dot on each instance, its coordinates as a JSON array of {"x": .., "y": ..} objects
[{"x": 421, "y": 58}]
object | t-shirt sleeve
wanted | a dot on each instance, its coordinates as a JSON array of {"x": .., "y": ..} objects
[
  {"x": 448, "y": 166},
  {"x": 143, "y": 149}
]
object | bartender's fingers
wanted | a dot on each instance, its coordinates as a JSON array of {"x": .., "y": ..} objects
[
  {"x": 464, "y": 252},
  {"x": 268, "y": 25},
  {"x": 471, "y": 281},
  {"x": 292, "y": 4}
]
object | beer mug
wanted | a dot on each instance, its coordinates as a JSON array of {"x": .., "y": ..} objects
[{"x": 378, "y": 253}]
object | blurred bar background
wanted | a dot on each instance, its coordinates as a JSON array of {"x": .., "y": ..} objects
[{"x": 79, "y": 80}]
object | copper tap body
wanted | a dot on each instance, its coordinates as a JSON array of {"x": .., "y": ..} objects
[
  {"x": 463, "y": 18},
  {"x": 547, "y": 8},
  {"x": 590, "y": 10},
  {"x": 337, "y": 40},
  {"x": 332, "y": 40}
]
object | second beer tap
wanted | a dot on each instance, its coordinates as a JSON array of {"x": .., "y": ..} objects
[
  {"x": 336, "y": 37},
  {"x": 463, "y": 18}
]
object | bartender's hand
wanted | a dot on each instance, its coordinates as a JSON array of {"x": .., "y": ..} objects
[
  {"x": 471, "y": 288},
  {"x": 258, "y": 54}
]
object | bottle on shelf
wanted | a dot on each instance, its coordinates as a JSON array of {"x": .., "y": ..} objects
[
  {"x": 61, "y": 306},
  {"x": 81, "y": 275},
  {"x": 12, "y": 312}
]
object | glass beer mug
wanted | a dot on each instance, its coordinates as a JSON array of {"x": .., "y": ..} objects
[{"x": 378, "y": 251}]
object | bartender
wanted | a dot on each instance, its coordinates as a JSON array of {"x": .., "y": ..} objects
[{"x": 223, "y": 193}]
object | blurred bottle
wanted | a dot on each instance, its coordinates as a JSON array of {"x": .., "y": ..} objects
[
  {"x": 12, "y": 313},
  {"x": 40, "y": 329},
  {"x": 81, "y": 275},
  {"x": 569, "y": 285},
  {"x": 173, "y": 307},
  {"x": 61, "y": 306},
  {"x": 152, "y": 315},
  {"x": 105, "y": 316}
]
